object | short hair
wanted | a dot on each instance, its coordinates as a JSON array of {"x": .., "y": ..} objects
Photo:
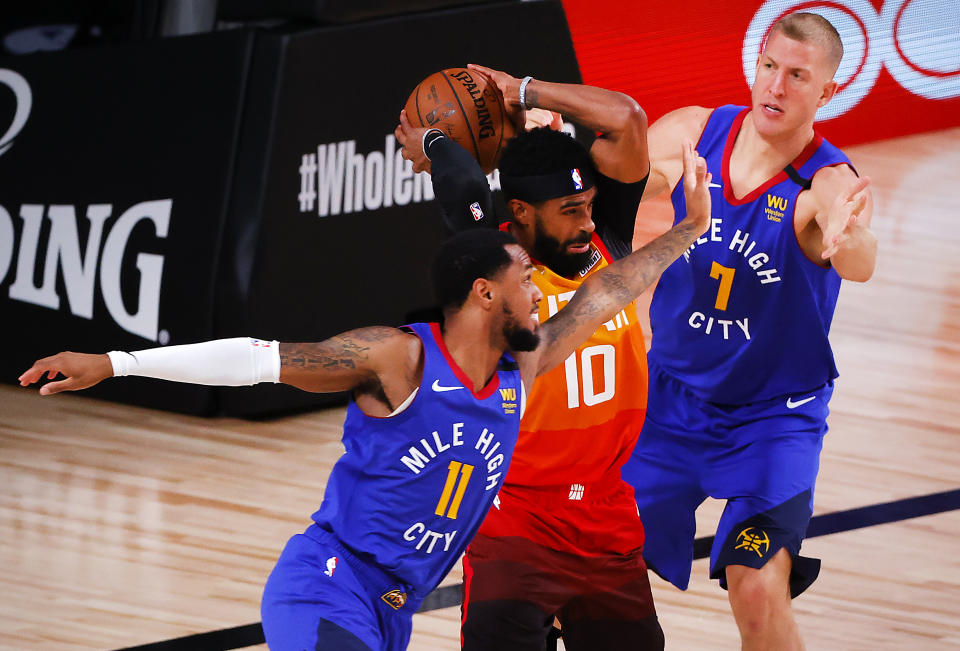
[
  {"x": 472, "y": 254},
  {"x": 542, "y": 151},
  {"x": 808, "y": 27}
]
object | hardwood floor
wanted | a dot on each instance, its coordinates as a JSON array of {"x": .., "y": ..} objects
[{"x": 125, "y": 526}]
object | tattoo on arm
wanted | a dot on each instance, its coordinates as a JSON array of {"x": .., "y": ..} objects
[
  {"x": 614, "y": 287},
  {"x": 328, "y": 355},
  {"x": 531, "y": 97},
  {"x": 343, "y": 351}
]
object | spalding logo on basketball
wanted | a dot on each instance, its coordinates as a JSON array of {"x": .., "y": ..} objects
[{"x": 469, "y": 110}]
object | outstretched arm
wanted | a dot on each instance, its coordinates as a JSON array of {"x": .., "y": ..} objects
[
  {"x": 608, "y": 291},
  {"x": 620, "y": 151},
  {"x": 843, "y": 217},
  {"x": 375, "y": 360}
]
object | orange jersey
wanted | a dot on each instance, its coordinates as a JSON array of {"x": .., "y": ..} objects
[{"x": 583, "y": 418}]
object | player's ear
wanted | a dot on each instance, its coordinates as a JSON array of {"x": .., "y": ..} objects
[
  {"x": 521, "y": 211},
  {"x": 485, "y": 292},
  {"x": 829, "y": 90}
]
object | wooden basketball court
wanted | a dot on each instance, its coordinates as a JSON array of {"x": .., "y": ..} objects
[{"x": 123, "y": 526}]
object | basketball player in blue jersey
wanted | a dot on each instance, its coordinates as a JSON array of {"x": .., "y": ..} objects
[
  {"x": 741, "y": 369},
  {"x": 429, "y": 432}
]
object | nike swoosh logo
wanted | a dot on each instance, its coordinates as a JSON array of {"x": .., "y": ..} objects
[
  {"x": 793, "y": 405},
  {"x": 436, "y": 387},
  {"x": 714, "y": 185}
]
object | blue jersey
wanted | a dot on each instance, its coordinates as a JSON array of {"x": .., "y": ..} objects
[
  {"x": 744, "y": 314},
  {"x": 412, "y": 488}
]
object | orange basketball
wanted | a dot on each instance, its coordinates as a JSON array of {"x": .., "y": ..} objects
[{"x": 467, "y": 108}]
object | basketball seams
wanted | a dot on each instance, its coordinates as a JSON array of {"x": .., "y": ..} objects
[
  {"x": 466, "y": 116},
  {"x": 503, "y": 121},
  {"x": 416, "y": 101}
]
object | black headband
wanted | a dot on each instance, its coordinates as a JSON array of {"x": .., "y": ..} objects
[{"x": 534, "y": 189}]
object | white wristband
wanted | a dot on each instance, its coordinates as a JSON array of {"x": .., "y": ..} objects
[
  {"x": 523, "y": 92},
  {"x": 224, "y": 362}
]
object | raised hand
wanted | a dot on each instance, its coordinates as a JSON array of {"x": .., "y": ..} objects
[
  {"x": 509, "y": 87},
  {"x": 538, "y": 117},
  {"x": 81, "y": 371},
  {"x": 411, "y": 143},
  {"x": 696, "y": 185},
  {"x": 839, "y": 221}
]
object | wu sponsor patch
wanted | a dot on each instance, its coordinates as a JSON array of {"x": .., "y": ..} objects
[
  {"x": 776, "y": 207},
  {"x": 395, "y": 599},
  {"x": 755, "y": 540},
  {"x": 509, "y": 400}
]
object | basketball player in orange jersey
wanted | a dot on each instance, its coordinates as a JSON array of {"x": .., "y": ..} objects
[
  {"x": 564, "y": 540},
  {"x": 741, "y": 369}
]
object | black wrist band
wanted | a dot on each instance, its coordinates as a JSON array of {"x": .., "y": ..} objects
[{"x": 430, "y": 137}]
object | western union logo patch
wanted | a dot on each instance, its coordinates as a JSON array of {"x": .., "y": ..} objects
[
  {"x": 509, "y": 400},
  {"x": 776, "y": 207}
]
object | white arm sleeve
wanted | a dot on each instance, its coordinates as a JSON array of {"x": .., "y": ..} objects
[{"x": 224, "y": 362}]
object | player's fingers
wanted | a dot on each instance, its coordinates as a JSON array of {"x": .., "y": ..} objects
[
  {"x": 856, "y": 208},
  {"x": 32, "y": 374},
  {"x": 483, "y": 70},
  {"x": 689, "y": 165},
  {"x": 486, "y": 73},
  {"x": 839, "y": 242},
  {"x": 557, "y": 123},
  {"x": 56, "y": 387},
  {"x": 858, "y": 186},
  {"x": 398, "y": 134},
  {"x": 405, "y": 121},
  {"x": 830, "y": 249},
  {"x": 701, "y": 168},
  {"x": 537, "y": 117},
  {"x": 48, "y": 367},
  {"x": 859, "y": 202},
  {"x": 834, "y": 244}
]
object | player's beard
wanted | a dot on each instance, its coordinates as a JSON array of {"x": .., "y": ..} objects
[
  {"x": 552, "y": 252},
  {"x": 519, "y": 338}
]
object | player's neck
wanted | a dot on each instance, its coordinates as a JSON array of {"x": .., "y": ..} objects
[
  {"x": 776, "y": 152},
  {"x": 469, "y": 343}
]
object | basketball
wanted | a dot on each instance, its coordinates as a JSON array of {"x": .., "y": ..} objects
[{"x": 467, "y": 108}]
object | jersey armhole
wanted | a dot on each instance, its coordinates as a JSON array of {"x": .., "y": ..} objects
[
  {"x": 403, "y": 405},
  {"x": 523, "y": 397}
]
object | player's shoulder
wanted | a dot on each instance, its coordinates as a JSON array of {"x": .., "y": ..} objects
[
  {"x": 384, "y": 340},
  {"x": 690, "y": 120},
  {"x": 671, "y": 129},
  {"x": 830, "y": 180},
  {"x": 839, "y": 173},
  {"x": 381, "y": 333}
]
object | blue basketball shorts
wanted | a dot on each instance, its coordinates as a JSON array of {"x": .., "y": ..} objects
[
  {"x": 319, "y": 597},
  {"x": 762, "y": 458}
]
